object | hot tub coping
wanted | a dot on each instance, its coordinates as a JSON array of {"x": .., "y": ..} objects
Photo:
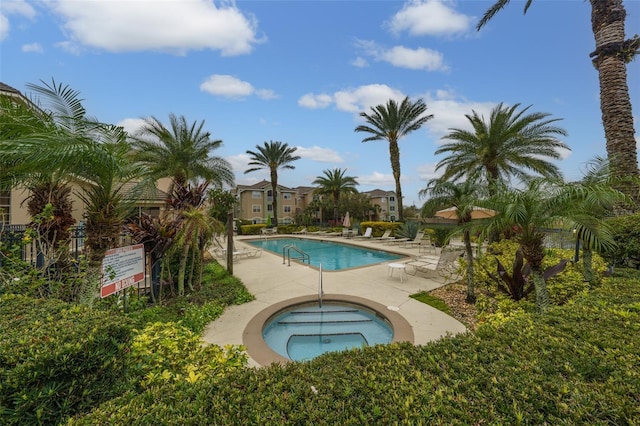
[{"x": 262, "y": 354}]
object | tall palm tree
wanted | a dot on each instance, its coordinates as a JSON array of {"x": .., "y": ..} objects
[
  {"x": 391, "y": 122},
  {"x": 610, "y": 58},
  {"x": 181, "y": 152},
  {"x": 272, "y": 156},
  {"x": 510, "y": 144},
  {"x": 545, "y": 203},
  {"x": 464, "y": 196},
  {"x": 335, "y": 183}
]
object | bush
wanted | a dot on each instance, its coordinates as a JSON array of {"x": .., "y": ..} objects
[
  {"x": 57, "y": 360},
  {"x": 439, "y": 234},
  {"x": 626, "y": 233},
  {"x": 577, "y": 364},
  {"x": 168, "y": 352},
  {"x": 379, "y": 227},
  {"x": 562, "y": 287}
]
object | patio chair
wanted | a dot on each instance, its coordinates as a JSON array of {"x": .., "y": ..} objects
[
  {"x": 385, "y": 237},
  {"x": 446, "y": 265},
  {"x": 417, "y": 241},
  {"x": 303, "y": 231},
  {"x": 366, "y": 235}
]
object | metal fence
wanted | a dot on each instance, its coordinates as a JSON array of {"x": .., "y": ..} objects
[{"x": 14, "y": 236}]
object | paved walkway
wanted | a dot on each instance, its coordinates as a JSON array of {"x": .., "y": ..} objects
[{"x": 270, "y": 282}]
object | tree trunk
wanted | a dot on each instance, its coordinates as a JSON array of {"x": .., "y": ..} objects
[
  {"x": 471, "y": 296},
  {"x": 587, "y": 261},
  {"x": 274, "y": 191},
  {"x": 394, "y": 154},
  {"x": 183, "y": 268},
  {"x": 542, "y": 293},
  {"x": 610, "y": 58}
]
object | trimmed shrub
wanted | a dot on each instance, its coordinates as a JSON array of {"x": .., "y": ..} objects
[
  {"x": 165, "y": 353},
  {"x": 57, "y": 360},
  {"x": 577, "y": 364},
  {"x": 626, "y": 233},
  {"x": 379, "y": 227}
]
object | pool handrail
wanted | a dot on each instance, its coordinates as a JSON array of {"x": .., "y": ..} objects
[{"x": 288, "y": 248}]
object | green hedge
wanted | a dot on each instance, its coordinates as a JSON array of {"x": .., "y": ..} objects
[
  {"x": 626, "y": 233},
  {"x": 379, "y": 227},
  {"x": 57, "y": 360},
  {"x": 577, "y": 364}
]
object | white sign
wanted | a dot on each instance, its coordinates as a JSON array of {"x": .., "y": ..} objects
[{"x": 122, "y": 267}]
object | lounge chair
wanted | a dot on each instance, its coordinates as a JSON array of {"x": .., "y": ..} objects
[
  {"x": 366, "y": 235},
  {"x": 446, "y": 265},
  {"x": 303, "y": 231},
  {"x": 417, "y": 241},
  {"x": 385, "y": 237}
]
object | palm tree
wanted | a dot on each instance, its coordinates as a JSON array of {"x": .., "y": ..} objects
[
  {"x": 510, "y": 144},
  {"x": 182, "y": 152},
  {"x": 464, "y": 196},
  {"x": 390, "y": 123},
  {"x": 610, "y": 58},
  {"x": 545, "y": 203},
  {"x": 334, "y": 183},
  {"x": 272, "y": 156}
]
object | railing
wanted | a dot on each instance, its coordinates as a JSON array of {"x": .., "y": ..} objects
[{"x": 303, "y": 256}]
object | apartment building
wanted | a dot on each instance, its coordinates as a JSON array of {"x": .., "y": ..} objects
[
  {"x": 255, "y": 203},
  {"x": 387, "y": 204}
]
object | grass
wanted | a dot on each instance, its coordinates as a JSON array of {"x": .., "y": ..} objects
[{"x": 433, "y": 301}]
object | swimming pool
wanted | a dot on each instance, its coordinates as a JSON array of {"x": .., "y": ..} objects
[
  {"x": 332, "y": 255},
  {"x": 308, "y": 331}
]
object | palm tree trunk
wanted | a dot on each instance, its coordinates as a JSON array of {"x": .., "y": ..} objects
[
  {"x": 587, "y": 261},
  {"x": 471, "y": 297},
  {"x": 542, "y": 292},
  {"x": 394, "y": 154},
  {"x": 610, "y": 58},
  {"x": 274, "y": 191},
  {"x": 183, "y": 268}
]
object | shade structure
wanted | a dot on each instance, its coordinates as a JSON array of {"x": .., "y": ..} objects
[
  {"x": 476, "y": 213},
  {"x": 346, "y": 222}
]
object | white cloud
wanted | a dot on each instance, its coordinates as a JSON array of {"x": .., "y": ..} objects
[
  {"x": 4, "y": 27},
  {"x": 231, "y": 87},
  {"x": 427, "y": 172},
  {"x": 449, "y": 111},
  {"x": 175, "y": 26},
  {"x": 404, "y": 57},
  {"x": 353, "y": 100},
  {"x": 430, "y": 17},
  {"x": 266, "y": 94},
  {"x": 360, "y": 62},
  {"x": 312, "y": 101},
  {"x": 377, "y": 180},
  {"x": 13, "y": 7},
  {"x": 316, "y": 153},
  {"x": 240, "y": 162},
  {"x": 32, "y": 48},
  {"x": 362, "y": 98},
  {"x": 132, "y": 125}
]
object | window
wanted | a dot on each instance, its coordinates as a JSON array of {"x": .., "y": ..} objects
[
  {"x": 383, "y": 201},
  {"x": 287, "y": 209},
  {"x": 5, "y": 207},
  {"x": 270, "y": 195},
  {"x": 392, "y": 208},
  {"x": 256, "y": 208},
  {"x": 286, "y": 196},
  {"x": 270, "y": 208},
  {"x": 256, "y": 195},
  {"x": 392, "y": 198}
]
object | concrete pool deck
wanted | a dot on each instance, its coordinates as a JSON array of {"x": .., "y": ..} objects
[{"x": 272, "y": 282}]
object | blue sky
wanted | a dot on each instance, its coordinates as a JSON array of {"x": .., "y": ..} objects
[{"x": 300, "y": 72}]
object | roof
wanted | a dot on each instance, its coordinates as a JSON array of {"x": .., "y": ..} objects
[
  {"x": 262, "y": 185},
  {"x": 8, "y": 89},
  {"x": 379, "y": 193}
]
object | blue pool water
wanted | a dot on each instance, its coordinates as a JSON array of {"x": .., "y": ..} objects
[
  {"x": 308, "y": 331},
  {"x": 333, "y": 256}
]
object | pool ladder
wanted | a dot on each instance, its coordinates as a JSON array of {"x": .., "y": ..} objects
[{"x": 302, "y": 255}]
